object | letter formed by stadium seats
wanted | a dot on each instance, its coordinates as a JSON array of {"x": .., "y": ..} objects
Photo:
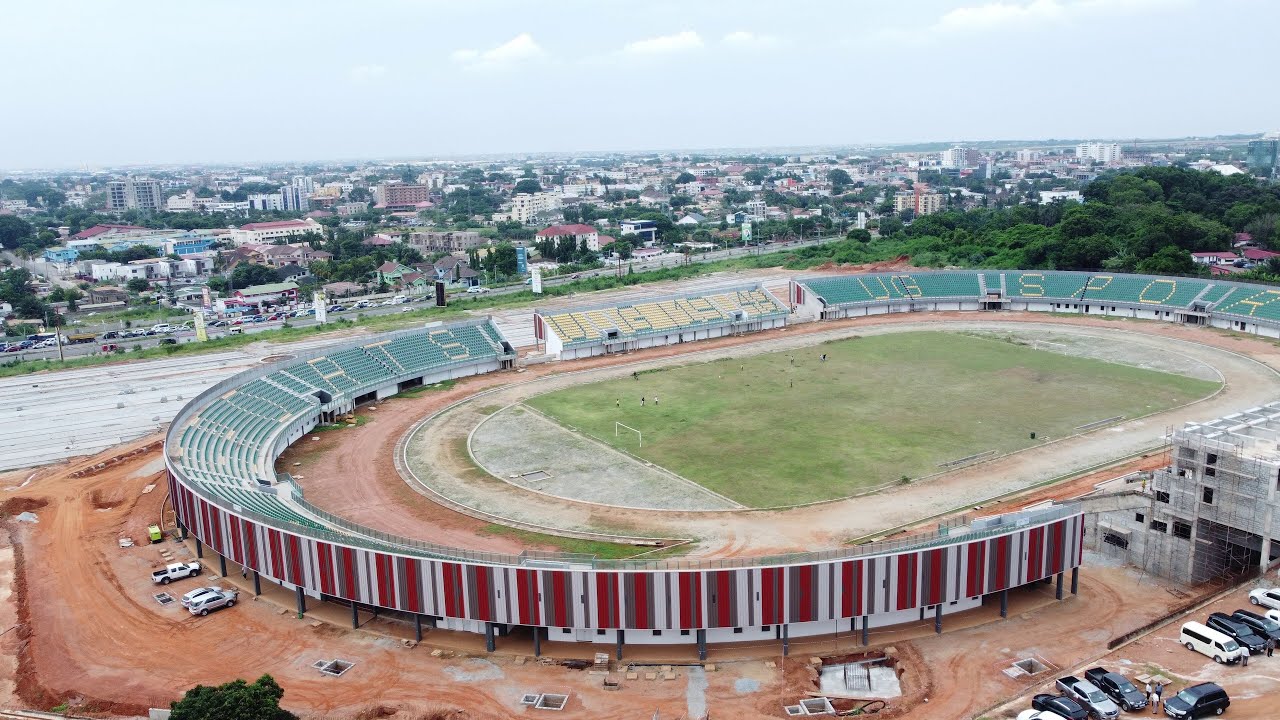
[
  {"x": 453, "y": 349},
  {"x": 909, "y": 284},
  {"x": 882, "y": 293},
  {"x": 1092, "y": 285},
  {"x": 1172, "y": 285},
  {"x": 1025, "y": 290},
  {"x": 1253, "y": 303}
]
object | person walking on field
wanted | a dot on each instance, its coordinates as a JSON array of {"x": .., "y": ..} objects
[
  {"x": 1271, "y": 646},
  {"x": 1244, "y": 657},
  {"x": 655, "y": 399},
  {"x": 1154, "y": 699},
  {"x": 641, "y": 401}
]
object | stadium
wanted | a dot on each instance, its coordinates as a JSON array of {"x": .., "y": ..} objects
[{"x": 229, "y": 493}]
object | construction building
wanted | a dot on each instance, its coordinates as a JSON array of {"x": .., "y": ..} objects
[{"x": 1214, "y": 512}]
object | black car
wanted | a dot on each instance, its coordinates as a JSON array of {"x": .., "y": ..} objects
[
  {"x": 1237, "y": 630},
  {"x": 1197, "y": 701},
  {"x": 111, "y": 335},
  {"x": 1117, "y": 687},
  {"x": 1060, "y": 705},
  {"x": 1261, "y": 624},
  {"x": 168, "y": 341}
]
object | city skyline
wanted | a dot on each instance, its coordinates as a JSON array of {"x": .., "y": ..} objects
[{"x": 502, "y": 78}]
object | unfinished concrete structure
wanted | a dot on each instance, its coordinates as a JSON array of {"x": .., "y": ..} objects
[{"x": 1214, "y": 513}]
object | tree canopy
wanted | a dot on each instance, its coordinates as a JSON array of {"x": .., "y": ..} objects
[
  {"x": 236, "y": 700},
  {"x": 528, "y": 186}
]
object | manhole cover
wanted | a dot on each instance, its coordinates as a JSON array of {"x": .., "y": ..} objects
[
  {"x": 535, "y": 475},
  {"x": 163, "y": 598}
]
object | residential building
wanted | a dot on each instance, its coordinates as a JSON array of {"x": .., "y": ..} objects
[
  {"x": 61, "y": 255},
  {"x": 304, "y": 183},
  {"x": 401, "y": 196},
  {"x": 446, "y": 241},
  {"x": 281, "y": 293},
  {"x": 528, "y": 207},
  {"x": 756, "y": 209},
  {"x": 265, "y": 202},
  {"x": 646, "y": 230},
  {"x": 960, "y": 157},
  {"x": 1099, "y": 152},
  {"x": 577, "y": 233},
  {"x": 294, "y": 199},
  {"x": 268, "y": 232},
  {"x": 1048, "y": 196},
  {"x": 348, "y": 209},
  {"x": 134, "y": 194},
  {"x": 188, "y": 244},
  {"x": 1028, "y": 156},
  {"x": 919, "y": 200},
  {"x": 1214, "y": 258}
]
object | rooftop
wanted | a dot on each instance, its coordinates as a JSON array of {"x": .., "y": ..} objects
[{"x": 1253, "y": 434}]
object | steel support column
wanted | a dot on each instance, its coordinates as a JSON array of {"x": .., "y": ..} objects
[
  {"x": 1075, "y": 581},
  {"x": 302, "y": 602},
  {"x": 1004, "y": 603}
]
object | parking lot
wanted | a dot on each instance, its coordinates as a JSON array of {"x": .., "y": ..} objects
[{"x": 1253, "y": 690}]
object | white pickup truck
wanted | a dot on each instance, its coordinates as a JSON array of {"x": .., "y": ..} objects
[{"x": 175, "y": 571}]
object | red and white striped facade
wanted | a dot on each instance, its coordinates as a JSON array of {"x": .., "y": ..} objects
[{"x": 678, "y": 599}]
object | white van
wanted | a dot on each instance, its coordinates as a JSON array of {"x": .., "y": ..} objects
[{"x": 1209, "y": 642}]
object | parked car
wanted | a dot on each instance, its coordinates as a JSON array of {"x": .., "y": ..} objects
[
  {"x": 110, "y": 347},
  {"x": 1117, "y": 687},
  {"x": 217, "y": 323},
  {"x": 1090, "y": 697},
  {"x": 477, "y": 289},
  {"x": 1236, "y": 630},
  {"x": 111, "y": 335},
  {"x": 169, "y": 341},
  {"x": 215, "y": 600},
  {"x": 1060, "y": 705},
  {"x": 175, "y": 571},
  {"x": 1039, "y": 715},
  {"x": 193, "y": 595},
  {"x": 337, "y": 308},
  {"x": 1197, "y": 701},
  {"x": 1260, "y": 624},
  {"x": 1269, "y": 598}
]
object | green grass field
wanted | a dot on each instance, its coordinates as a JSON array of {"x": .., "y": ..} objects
[{"x": 766, "y": 432}]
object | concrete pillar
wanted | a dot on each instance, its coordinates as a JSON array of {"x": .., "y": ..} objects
[
  {"x": 222, "y": 565},
  {"x": 355, "y": 616},
  {"x": 489, "y": 644},
  {"x": 537, "y": 641},
  {"x": 937, "y": 618},
  {"x": 702, "y": 644},
  {"x": 786, "y": 640},
  {"x": 257, "y": 584},
  {"x": 1004, "y": 603},
  {"x": 302, "y": 602},
  {"x": 622, "y": 634},
  {"x": 199, "y": 549},
  {"x": 1058, "y": 591},
  {"x": 1075, "y": 581},
  {"x": 866, "y": 631},
  {"x": 417, "y": 627}
]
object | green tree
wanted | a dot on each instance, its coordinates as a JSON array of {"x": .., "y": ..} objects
[
  {"x": 219, "y": 284},
  {"x": 502, "y": 261},
  {"x": 756, "y": 176},
  {"x": 685, "y": 177},
  {"x": 839, "y": 176},
  {"x": 236, "y": 700},
  {"x": 14, "y": 231},
  {"x": 528, "y": 186},
  {"x": 1169, "y": 260},
  {"x": 679, "y": 201},
  {"x": 137, "y": 285},
  {"x": 247, "y": 274}
]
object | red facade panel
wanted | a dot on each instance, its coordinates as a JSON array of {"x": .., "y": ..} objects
[{"x": 1035, "y": 557}]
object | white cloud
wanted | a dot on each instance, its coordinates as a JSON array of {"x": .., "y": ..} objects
[
  {"x": 366, "y": 73},
  {"x": 747, "y": 39},
  {"x": 664, "y": 44},
  {"x": 521, "y": 48},
  {"x": 1006, "y": 16}
]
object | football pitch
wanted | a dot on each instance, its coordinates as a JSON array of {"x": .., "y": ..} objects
[{"x": 786, "y": 428}]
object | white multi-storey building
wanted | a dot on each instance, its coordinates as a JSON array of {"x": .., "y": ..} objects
[
  {"x": 525, "y": 207},
  {"x": 132, "y": 194},
  {"x": 265, "y": 201},
  {"x": 1100, "y": 152}
]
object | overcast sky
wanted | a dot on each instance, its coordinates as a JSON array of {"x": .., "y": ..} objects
[{"x": 139, "y": 81}]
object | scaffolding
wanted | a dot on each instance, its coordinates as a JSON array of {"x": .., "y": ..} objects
[{"x": 1214, "y": 507}]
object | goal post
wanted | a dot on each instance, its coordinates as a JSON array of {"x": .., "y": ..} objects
[{"x": 619, "y": 427}]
